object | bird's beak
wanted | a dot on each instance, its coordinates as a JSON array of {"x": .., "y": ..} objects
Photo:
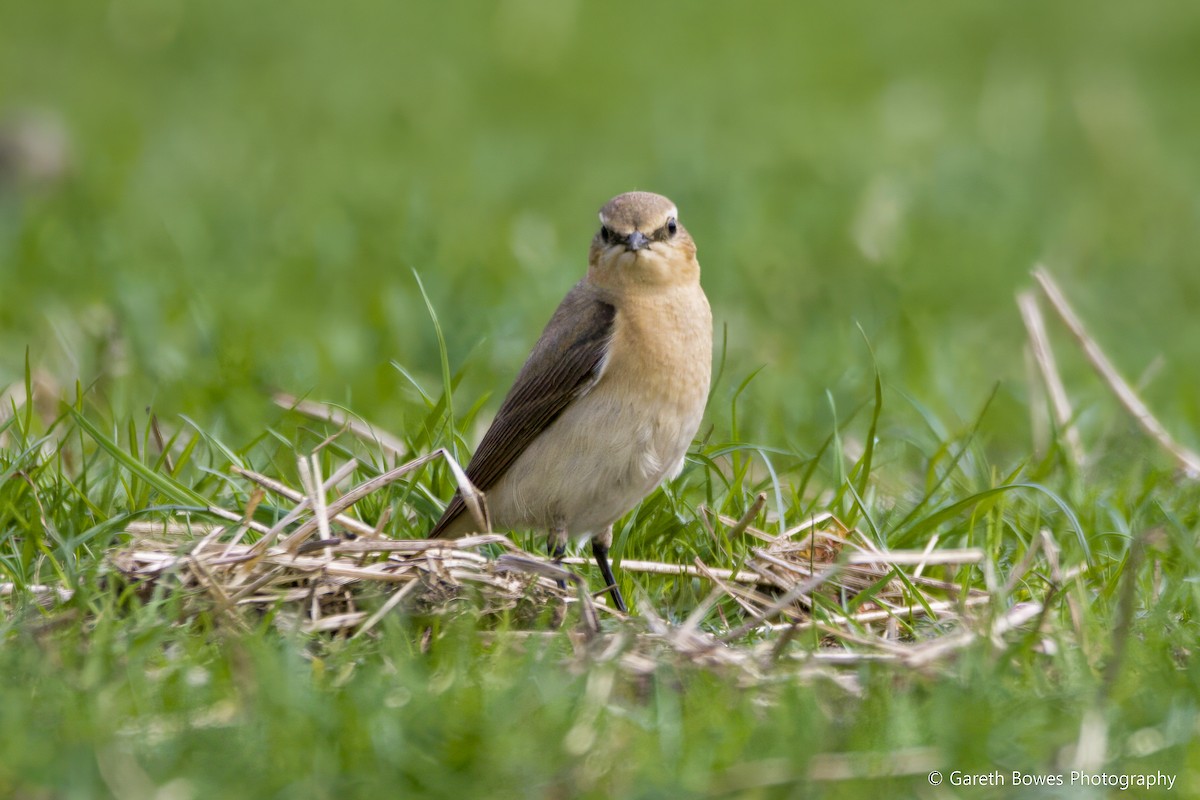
[{"x": 637, "y": 241}]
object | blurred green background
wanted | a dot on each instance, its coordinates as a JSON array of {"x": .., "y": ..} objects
[{"x": 247, "y": 192}]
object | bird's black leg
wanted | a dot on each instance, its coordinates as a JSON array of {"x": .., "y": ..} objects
[
  {"x": 556, "y": 545},
  {"x": 600, "y": 545}
]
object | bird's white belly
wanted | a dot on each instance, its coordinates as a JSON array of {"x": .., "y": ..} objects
[{"x": 597, "y": 461}]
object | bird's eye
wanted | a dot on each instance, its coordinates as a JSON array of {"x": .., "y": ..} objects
[
  {"x": 605, "y": 233},
  {"x": 672, "y": 226}
]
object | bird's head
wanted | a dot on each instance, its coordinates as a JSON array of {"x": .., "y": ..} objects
[{"x": 642, "y": 242}]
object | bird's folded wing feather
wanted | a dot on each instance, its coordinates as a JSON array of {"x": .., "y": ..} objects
[{"x": 565, "y": 364}]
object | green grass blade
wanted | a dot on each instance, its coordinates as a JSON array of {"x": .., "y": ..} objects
[{"x": 166, "y": 486}]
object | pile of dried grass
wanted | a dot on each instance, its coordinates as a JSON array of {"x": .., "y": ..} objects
[{"x": 321, "y": 570}]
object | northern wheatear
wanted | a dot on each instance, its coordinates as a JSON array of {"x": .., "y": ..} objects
[{"x": 611, "y": 396}]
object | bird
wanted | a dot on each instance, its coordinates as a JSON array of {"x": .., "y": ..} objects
[{"x": 611, "y": 396}]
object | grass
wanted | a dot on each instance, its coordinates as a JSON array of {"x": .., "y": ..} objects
[{"x": 247, "y": 201}]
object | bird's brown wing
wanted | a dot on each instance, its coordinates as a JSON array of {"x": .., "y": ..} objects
[{"x": 565, "y": 363}]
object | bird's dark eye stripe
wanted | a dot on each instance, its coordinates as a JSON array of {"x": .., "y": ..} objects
[
  {"x": 667, "y": 231},
  {"x": 605, "y": 233}
]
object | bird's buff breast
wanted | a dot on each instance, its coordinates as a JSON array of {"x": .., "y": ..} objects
[{"x": 617, "y": 443}]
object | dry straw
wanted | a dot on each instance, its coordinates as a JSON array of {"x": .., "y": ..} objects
[{"x": 320, "y": 569}]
